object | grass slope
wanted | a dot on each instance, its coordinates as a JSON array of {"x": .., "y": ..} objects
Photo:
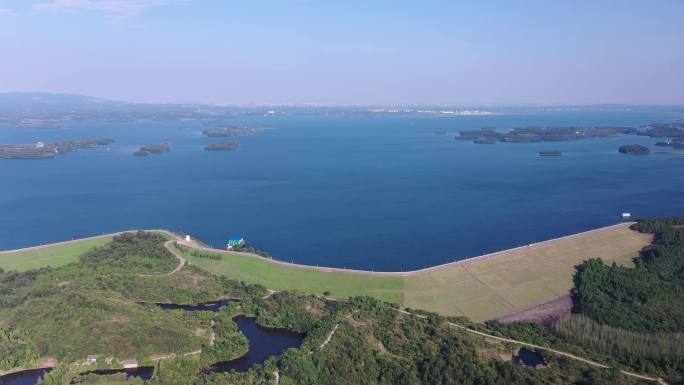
[
  {"x": 51, "y": 255},
  {"x": 520, "y": 278},
  {"x": 278, "y": 277},
  {"x": 480, "y": 289}
]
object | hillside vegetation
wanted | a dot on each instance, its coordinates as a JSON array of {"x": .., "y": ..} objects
[
  {"x": 376, "y": 344},
  {"x": 93, "y": 306}
]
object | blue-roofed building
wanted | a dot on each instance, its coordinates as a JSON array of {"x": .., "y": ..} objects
[{"x": 235, "y": 242}]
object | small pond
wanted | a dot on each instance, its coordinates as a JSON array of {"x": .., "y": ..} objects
[
  {"x": 26, "y": 377},
  {"x": 527, "y": 357},
  {"x": 263, "y": 343},
  {"x": 144, "y": 372},
  {"x": 207, "y": 306}
]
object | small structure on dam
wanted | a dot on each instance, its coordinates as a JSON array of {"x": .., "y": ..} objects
[{"x": 235, "y": 242}]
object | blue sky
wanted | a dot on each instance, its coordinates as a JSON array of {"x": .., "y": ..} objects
[{"x": 346, "y": 52}]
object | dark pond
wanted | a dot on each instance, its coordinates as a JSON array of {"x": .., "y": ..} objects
[
  {"x": 144, "y": 372},
  {"x": 527, "y": 357},
  {"x": 263, "y": 343},
  {"x": 26, "y": 377},
  {"x": 207, "y": 306}
]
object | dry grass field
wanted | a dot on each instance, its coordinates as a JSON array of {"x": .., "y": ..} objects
[{"x": 513, "y": 280}]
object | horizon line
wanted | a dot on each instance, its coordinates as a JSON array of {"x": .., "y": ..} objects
[{"x": 359, "y": 105}]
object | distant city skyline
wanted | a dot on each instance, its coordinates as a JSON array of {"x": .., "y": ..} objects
[{"x": 346, "y": 53}]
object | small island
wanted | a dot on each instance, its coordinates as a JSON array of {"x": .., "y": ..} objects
[
  {"x": 230, "y": 131},
  {"x": 42, "y": 150},
  {"x": 152, "y": 149},
  {"x": 222, "y": 146},
  {"x": 634, "y": 149}
]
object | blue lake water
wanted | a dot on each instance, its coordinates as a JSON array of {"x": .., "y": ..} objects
[
  {"x": 383, "y": 193},
  {"x": 209, "y": 306},
  {"x": 143, "y": 372}
]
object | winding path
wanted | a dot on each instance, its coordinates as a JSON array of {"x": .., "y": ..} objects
[
  {"x": 212, "y": 337},
  {"x": 181, "y": 262},
  {"x": 332, "y": 332}
]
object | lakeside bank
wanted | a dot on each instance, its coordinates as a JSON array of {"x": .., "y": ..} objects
[{"x": 484, "y": 287}]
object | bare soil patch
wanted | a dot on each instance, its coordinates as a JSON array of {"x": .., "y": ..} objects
[
  {"x": 544, "y": 314},
  {"x": 494, "y": 354}
]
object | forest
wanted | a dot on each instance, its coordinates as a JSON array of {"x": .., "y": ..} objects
[
  {"x": 647, "y": 298},
  {"x": 635, "y": 314}
]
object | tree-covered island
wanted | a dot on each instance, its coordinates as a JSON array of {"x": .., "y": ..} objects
[
  {"x": 672, "y": 132},
  {"x": 152, "y": 149},
  {"x": 542, "y": 134},
  {"x": 634, "y": 149}
]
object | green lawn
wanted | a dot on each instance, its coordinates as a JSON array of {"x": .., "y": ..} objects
[
  {"x": 278, "y": 277},
  {"x": 56, "y": 255}
]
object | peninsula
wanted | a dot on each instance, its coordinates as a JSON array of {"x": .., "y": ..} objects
[
  {"x": 674, "y": 132},
  {"x": 42, "y": 150}
]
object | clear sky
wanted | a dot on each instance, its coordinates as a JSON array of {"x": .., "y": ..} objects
[{"x": 347, "y": 51}]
